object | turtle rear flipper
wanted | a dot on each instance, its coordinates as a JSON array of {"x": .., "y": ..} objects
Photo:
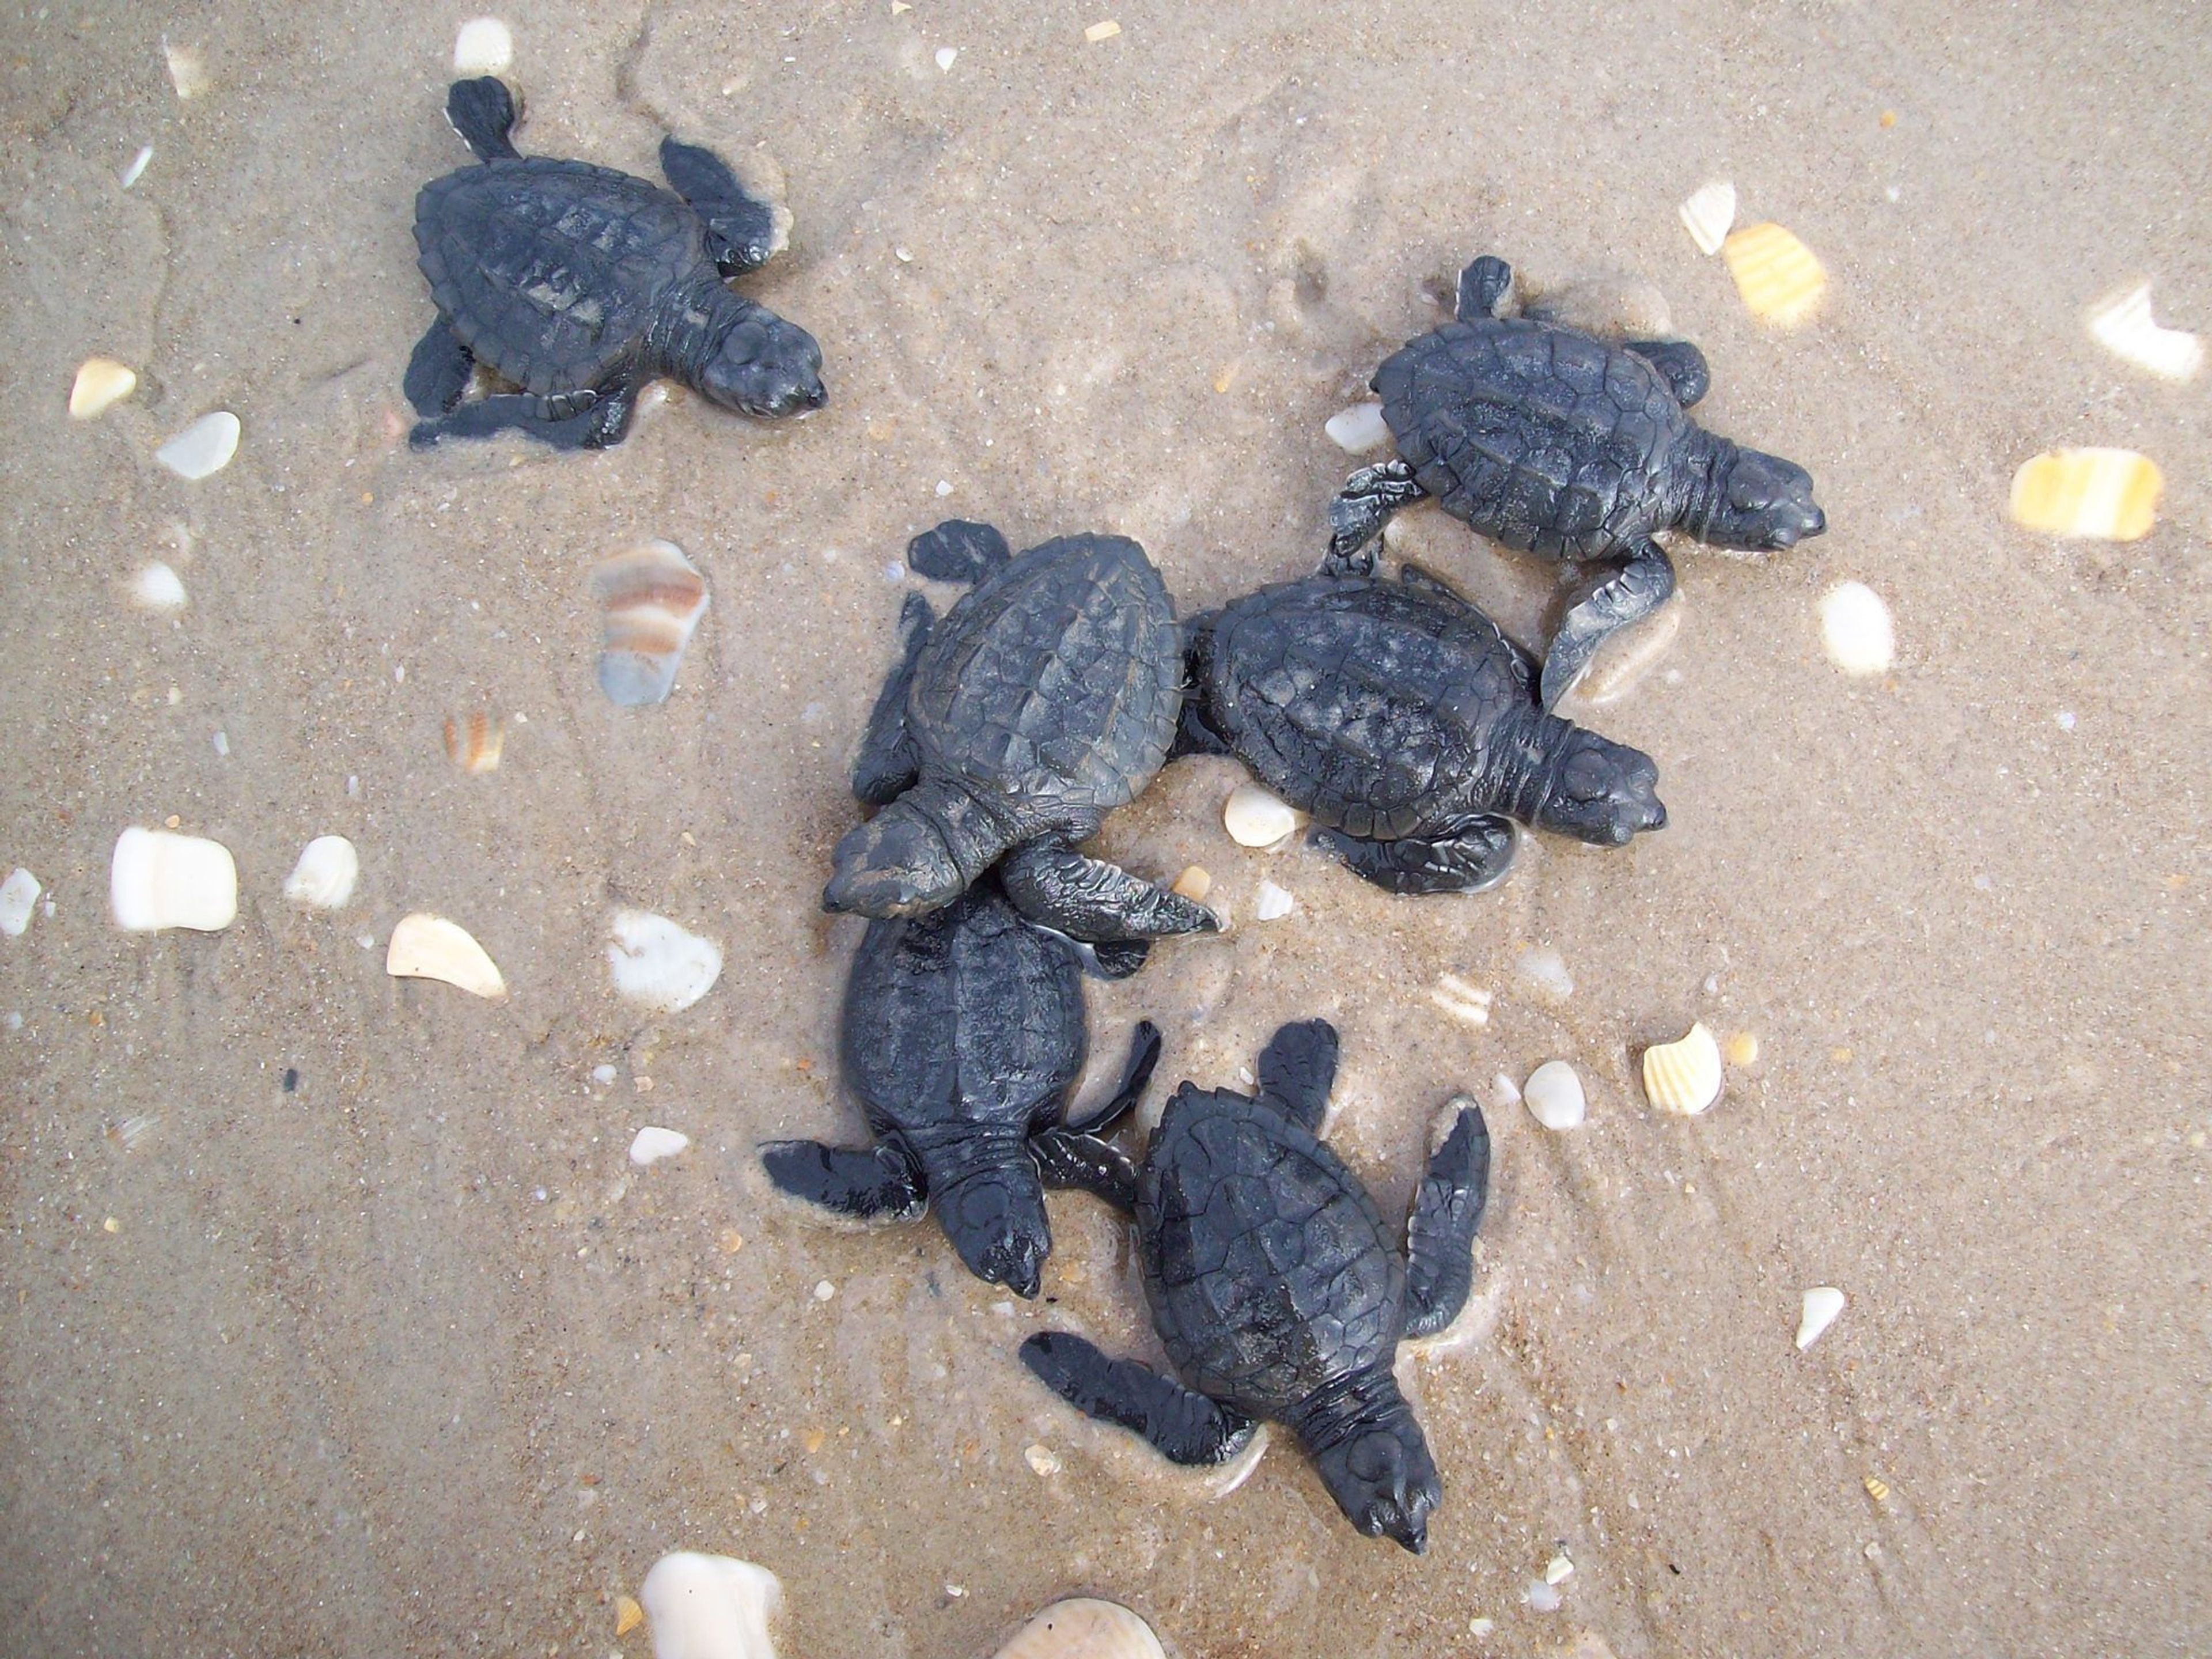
[
  {"x": 1183, "y": 1426},
  {"x": 1465, "y": 857},
  {"x": 1360, "y": 510},
  {"x": 1627, "y": 595},
  {"x": 438, "y": 373},
  {"x": 1072, "y": 1155},
  {"x": 1297, "y": 1069},
  {"x": 873, "y": 1184},
  {"x": 1482, "y": 287},
  {"x": 582, "y": 420},
  {"x": 1440, "y": 1232},
  {"x": 1681, "y": 364},
  {"x": 741, "y": 229},
  {"x": 888, "y": 763},
  {"x": 483, "y": 112},
  {"x": 1091, "y": 900}
]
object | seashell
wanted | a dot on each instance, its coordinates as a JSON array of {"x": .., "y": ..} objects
[
  {"x": 474, "y": 742},
  {"x": 654, "y": 598},
  {"x": 1467, "y": 1004},
  {"x": 1742, "y": 1049},
  {"x": 658, "y": 965},
  {"x": 1876, "y": 1487},
  {"x": 1542, "y": 1597},
  {"x": 131, "y": 175},
  {"x": 1822, "y": 1303},
  {"x": 1683, "y": 1077},
  {"x": 2112, "y": 494},
  {"x": 1559, "y": 1569},
  {"x": 159, "y": 880},
  {"x": 1042, "y": 1461},
  {"x": 1105, "y": 31},
  {"x": 1855, "y": 631},
  {"x": 1708, "y": 213},
  {"x": 484, "y": 47},
  {"x": 101, "y": 383},
  {"x": 1777, "y": 275},
  {"x": 1546, "y": 969},
  {"x": 1358, "y": 429},
  {"x": 188, "y": 70},
  {"x": 1607, "y": 305},
  {"x": 323, "y": 877},
  {"x": 424, "y": 946},
  {"x": 653, "y": 1143},
  {"x": 945, "y": 58},
  {"x": 1194, "y": 884},
  {"x": 19, "y": 894},
  {"x": 2122, "y": 324},
  {"x": 1084, "y": 1628},
  {"x": 157, "y": 587},
  {"x": 1554, "y": 1096},
  {"x": 1271, "y": 903},
  {"x": 1504, "y": 1091},
  {"x": 709, "y": 1607},
  {"x": 203, "y": 448},
  {"x": 628, "y": 1616},
  {"x": 1256, "y": 819}
]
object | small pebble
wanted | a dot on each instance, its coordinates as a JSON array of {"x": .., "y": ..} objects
[
  {"x": 1742, "y": 1049},
  {"x": 1555, "y": 1098},
  {"x": 1271, "y": 903},
  {"x": 825, "y": 1291},
  {"x": 945, "y": 486},
  {"x": 1256, "y": 819},
  {"x": 653, "y": 1143},
  {"x": 323, "y": 877},
  {"x": 1855, "y": 631},
  {"x": 944, "y": 57},
  {"x": 101, "y": 384},
  {"x": 131, "y": 175},
  {"x": 1041, "y": 1459},
  {"x": 1546, "y": 969},
  {"x": 1105, "y": 31},
  {"x": 603, "y": 1075},
  {"x": 157, "y": 587},
  {"x": 1542, "y": 1597},
  {"x": 1822, "y": 1303},
  {"x": 203, "y": 448},
  {"x": 1358, "y": 429},
  {"x": 484, "y": 47},
  {"x": 19, "y": 896}
]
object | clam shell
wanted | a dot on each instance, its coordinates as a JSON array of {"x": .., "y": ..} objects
[
  {"x": 1358, "y": 429},
  {"x": 474, "y": 742},
  {"x": 1708, "y": 213},
  {"x": 1083, "y": 1627},
  {"x": 1554, "y": 1096},
  {"x": 654, "y": 598},
  {"x": 157, "y": 587},
  {"x": 323, "y": 877},
  {"x": 1777, "y": 275},
  {"x": 203, "y": 448},
  {"x": 2122, "y": 324},
  {"x": 158, "y": 880},
  {"x": 19, "y": 894},
  {"x": 652, "y": 1143},
  {"x": 709, "y": 1607},
  {"x": 2112, "y": 494},
  {"x": 658, "y": 965},
  {"x": 424, "y": 946},
  {"x": 1855, "y": 631},
  {"x": 101, "y": 383},
  {"x": 1683, "y": 1077},
  {"x": 1256, "y": 819},
  {"x": 484, "y": 47},
  {"x": 1822, "y": 1303}
]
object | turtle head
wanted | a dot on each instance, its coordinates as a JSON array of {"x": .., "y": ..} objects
[
  {"x": 995, "y": 1218},
  {"x": 1600, "y": 791},
  {"x": 1759, "y": 502},
  {"x": 1383, "y": 1480},
  {"x": 766, "y": 366},
  {"x": 897, "y": 864}
]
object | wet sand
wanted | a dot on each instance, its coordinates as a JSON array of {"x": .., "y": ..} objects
[{"x": 411, "y": 1361}]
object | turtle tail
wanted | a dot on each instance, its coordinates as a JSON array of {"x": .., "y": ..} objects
[{"x": 482, "y": 112}]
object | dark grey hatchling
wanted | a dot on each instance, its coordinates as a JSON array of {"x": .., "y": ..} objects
[
  {"x": 1046, "y": 697},
  {"x": 1408, "y": 725},
  {"x": 1279, "y": 1293},
  {"x": 1557, "y": 443},
  {"x": 962, "y": 1031},
  {"x": 578, "y": 284}
]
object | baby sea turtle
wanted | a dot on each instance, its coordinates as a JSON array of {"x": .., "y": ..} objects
[
  {"x": 1407, "y": 725},
  {"x": 1279, "y": 1292},
  {"x": 963, "y": 1031},
  {"x": 1556, "y": 443},
  {"x": 1047, "y": 697},
  {"x": 579, "y": 284}
]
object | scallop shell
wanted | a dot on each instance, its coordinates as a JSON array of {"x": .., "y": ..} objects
[
  {"x": 654, "y": 598},
  {"x": 1083, "y": 1627},
  {"x": 203, "y": 448},
  {"x": 659, "y": 965},
  {"x": 1256, "y": 819},
  {"x": 474, "y": 742},
  {"x": 158, "y": 880},
  {"x": 2122, "y": 324},
  {"x": 2112, "y": 494},
  {"x": 1823, "y": 1302},
  {"x": 1683, "y": 1077},
  {"x": 424, "y": 946},
  {"x": 324, "y": 879},
  {"x": 484, "y": 47},
  {"x": 1777, "y": 275},
  {"x": 1708, "y": 213},
  {"x": 709, "y": 1607},
  {"x": 101, "y": 383}
]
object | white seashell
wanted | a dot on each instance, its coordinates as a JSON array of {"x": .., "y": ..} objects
[
  {"x": 2122, "y": 324},
  {"x": 1555, "y": 1098},
  {"x": 1042, "y": 1461},
  {"x": 1358, "y": 429},
  {"x": 1708, "y": 215},
  {"x": 1855, "y": 631},
  {"x": 944, "y": 57},
  {"x": 1822, "y": 1303},
  {"x": 203, "y": 448},
  {"x": 159, "y": 880},
  {"x": 157, "y": 587},
  {"x": 1468, "y": 1004},
  {"x": 658, "y": 965},
  {"x": 1256, "y": 819},
  {"x": 1504, "y": 1091},
  {"x": 1546, "y": 969},
  {"x": 1271, "y": 903},
  {"x": 654, "y": 598},
  {"x": 131, "y": 175},
  {"x": 1559, "y": 1569},
  {"x": 424, "y": 946},
  {"x": 1084, "y": 1628},
  {"x": 653, "y": 1143},
  {"x": 1684, "y": 1077},
  {"x": 323, "y": 877},
  {"x": 101, "y": 383},
  {"x": 484, "y": 47},
  {"x": 18, "y": 896},
  {"x": 709, "y": 1607},
  {"x": 188, "y": 70}
]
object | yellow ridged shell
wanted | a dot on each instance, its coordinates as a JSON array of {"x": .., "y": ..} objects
[
  {"x": 1683, "y": 1077},
  {"x": 1776, "y": 274},
  {"x": 2112, "y": 494}
]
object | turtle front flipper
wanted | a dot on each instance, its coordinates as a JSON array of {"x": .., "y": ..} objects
[
  {"x": 438, "y": 373},
  {"x": 1183, "y": 1426},
  {"x": 1361, "y": 508},
  {"x": 871, "y": 1183},
  {"x": 1297, "y": 1069},
  {"x": 482, "y": 110},
  {"x": 958, "y": 551},
  {"x": 1086, "y": 1163},
  {"x": 1482, "y": 287},
  {"x": 1090, "y": 899},
  {"x": 1681, "y": 364},
  {"x": 741, "y": 229},
  {"x": 1627, "y": 595},
  {"x": 586, "y": 419},
  {"x": 1465, "y": 857},
  {"x": 888, "y": 763},
  {"x": 1440, "y": 1232}
]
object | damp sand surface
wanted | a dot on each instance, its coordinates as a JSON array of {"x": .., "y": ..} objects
[{"x": 408, "y": 1358}]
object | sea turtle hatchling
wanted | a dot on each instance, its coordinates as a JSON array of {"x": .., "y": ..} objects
[
  {"x": 1407, "y": 725},
  {"x": 578, "y": 284},
  {"x": 1557, "y": 443},
  {"x": 1279, "y": 1293},
  {"x": 963, "y": 1031},
  {"x": 1047, "y": 697}
]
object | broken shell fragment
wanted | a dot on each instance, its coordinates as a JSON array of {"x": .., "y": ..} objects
[
  {"x": 19, "y": 894},
  {"x": 653, "y": 1143},
  {"x": 159, "y": 880},
  {"x": 1554, "y": 1096},
  {"x": 2122, "y": 324},
  {"x": 659, "y": 965},
  {"x": 473, "y": 742},
  {"x": 1822, "y": 1303},
  {"x": 709, "y": 1607},
  {"x": 654, "y": 598},
  {"x": 157, "y": 587},
  {"x": 424, "y": 946},
  {"x": 1256, "y": 819},
  {"x": 1777, "y": 275},
  {"x": 101, "y": 383},
  {"x": 2112, "y": 494},
  {"x": 1083, "y": 1627},
  {"x": 1194, "y": 884},
  {"x": 628, "y": 1615},
  {"x": 188, "y": 70},
  {"x": 1683, "y": 1077},
  {"x": 1466, "y": 1003},
  {"x": 203, "y": 448},
  {"x": 1708, "y": 213},
  {"x": 323, "y": 877},
  {"x": 1271, "y": 903},
  {"x": 1358, "y": 429},
  {"x": 1855, "y": 631},
  {"x": 484, "y": 47}
]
